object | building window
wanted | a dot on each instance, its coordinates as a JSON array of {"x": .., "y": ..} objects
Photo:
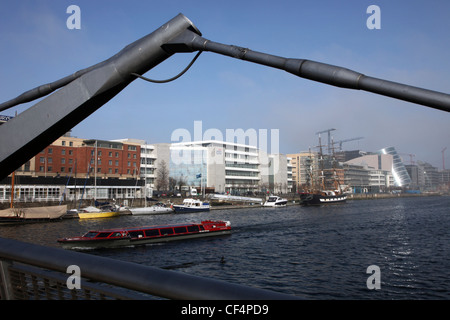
[
  {"x": 50, "y": 150},
  {"x": 63, "y": 143}
]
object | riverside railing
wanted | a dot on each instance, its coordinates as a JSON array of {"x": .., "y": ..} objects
[{"x": 29, "y": 272}]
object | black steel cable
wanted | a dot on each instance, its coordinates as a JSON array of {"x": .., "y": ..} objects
[{"x": 173, "y": 78}]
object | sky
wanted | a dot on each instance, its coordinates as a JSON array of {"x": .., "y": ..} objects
[{"x": 411, "y": 47}]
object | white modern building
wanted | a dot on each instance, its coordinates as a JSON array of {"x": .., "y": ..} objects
[
  {"x": 228, "y": 167},
  {"x": 370, "y": 173}
]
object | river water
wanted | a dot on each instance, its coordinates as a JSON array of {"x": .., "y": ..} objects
[{"x": 310, "y": 252}]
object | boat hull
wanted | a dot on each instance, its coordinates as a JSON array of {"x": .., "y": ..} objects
[
  {"x": 312, "y": 199},
  {"x": 150, "y": 210},
  {"x": 183, "y": 209},
  {"x": 6, "y": 221},
  {"x": 97, "y": 215}
]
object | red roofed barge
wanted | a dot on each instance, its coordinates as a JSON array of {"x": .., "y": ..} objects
[{"x": 120, "y": 237}]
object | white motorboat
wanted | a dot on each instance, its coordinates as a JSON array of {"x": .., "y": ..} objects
[
  {"x": 159, "y": 208},
  {"x": 275, "y": 201},
  {"x": 191, "y": 205}
]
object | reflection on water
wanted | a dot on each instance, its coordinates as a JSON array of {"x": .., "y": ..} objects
[{"x": 312, "y": 252}]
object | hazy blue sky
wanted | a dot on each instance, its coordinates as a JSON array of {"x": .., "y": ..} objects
[{"x": 412, "y": 47}]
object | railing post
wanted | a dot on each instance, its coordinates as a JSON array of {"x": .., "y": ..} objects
[{"x": 6, "y": 292}]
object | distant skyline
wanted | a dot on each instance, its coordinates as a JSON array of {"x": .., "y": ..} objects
[{"x": 412, "y": 47}]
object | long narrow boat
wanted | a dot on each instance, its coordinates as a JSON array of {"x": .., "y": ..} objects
[{"x": 112, "y": 238}]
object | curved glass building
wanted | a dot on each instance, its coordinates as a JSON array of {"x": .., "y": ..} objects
[{"x": 401, "y": 176}]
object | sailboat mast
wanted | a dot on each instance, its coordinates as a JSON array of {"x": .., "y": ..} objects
[{"x": 12, "y": 189}]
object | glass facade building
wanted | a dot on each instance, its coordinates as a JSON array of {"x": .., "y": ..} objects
[{"x": 399, "y": 172}]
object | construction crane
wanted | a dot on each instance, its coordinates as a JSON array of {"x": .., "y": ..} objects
[
  {"x": 443, "y": 158},
  {"x": 346, "y": 140},
  {"x": 329, "y": 138}
]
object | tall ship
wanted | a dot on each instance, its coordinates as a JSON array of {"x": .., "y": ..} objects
[{"x": 324, "y": 181}]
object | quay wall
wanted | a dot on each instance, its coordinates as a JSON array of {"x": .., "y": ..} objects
[{"x": 138, "y": 202}]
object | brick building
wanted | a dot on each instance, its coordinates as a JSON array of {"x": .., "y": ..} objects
[{"x": 76, "y": 157}]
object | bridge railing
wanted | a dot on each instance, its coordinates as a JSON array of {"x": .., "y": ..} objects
[{"x": 29, "y": 271}]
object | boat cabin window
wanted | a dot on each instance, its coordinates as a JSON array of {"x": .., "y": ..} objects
[
  {"x": 152, "y": 233},
  {"x": 180, "y": 230},
  {"x": 136, "y": 234},
  {"x": 103, "y": 235},
  {"x": 166, "y": 231},
  {"x": 116, "y": 234},
  {"x": 90, "y": 234},
  {"x": 192, "y": 228}
]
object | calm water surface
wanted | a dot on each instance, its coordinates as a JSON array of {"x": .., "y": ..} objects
[{"x": 311, "y": 252}]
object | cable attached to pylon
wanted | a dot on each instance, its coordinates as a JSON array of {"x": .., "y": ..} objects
[{"x": 171, "y": 79}]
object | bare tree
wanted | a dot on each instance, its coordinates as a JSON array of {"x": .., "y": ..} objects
[
  {"x": 172, "y": 184},
  {"x": 162, "y": 177}
]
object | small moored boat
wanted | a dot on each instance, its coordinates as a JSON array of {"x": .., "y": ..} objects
[
  {"x": 112, "y": 238},
  {"x": 275, "y": 201},
  {"x": 106, "y": 211},
  {"x": 158, "y": 208},
  {"x": 191, "y": 205},
  {"x": 34, "y": 214}
]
